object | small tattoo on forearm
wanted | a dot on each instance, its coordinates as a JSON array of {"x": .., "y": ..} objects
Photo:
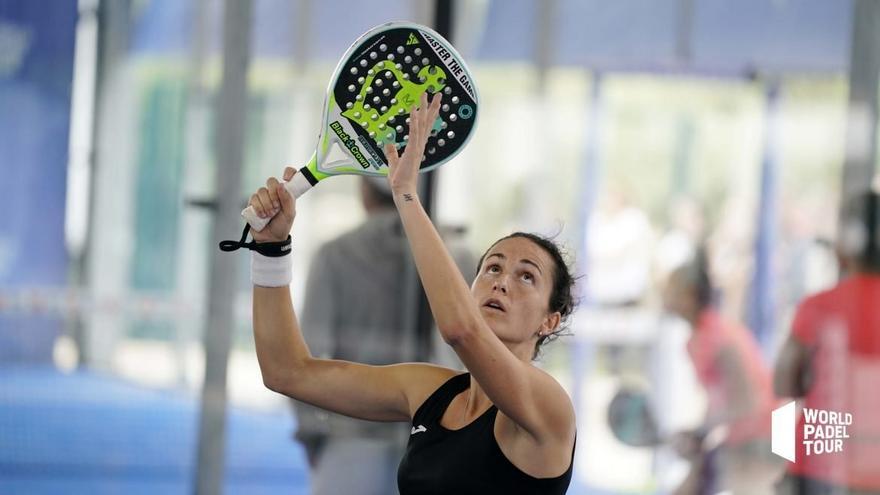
[{"x": 407, "y": 197}]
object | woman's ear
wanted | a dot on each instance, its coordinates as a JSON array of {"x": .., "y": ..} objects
[{"x": 551, "y": 322}]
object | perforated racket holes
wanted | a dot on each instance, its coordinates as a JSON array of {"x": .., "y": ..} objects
[{"x": 391, "y": 71}]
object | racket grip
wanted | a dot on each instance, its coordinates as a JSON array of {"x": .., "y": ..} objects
[{"x": 297, "y": 186}]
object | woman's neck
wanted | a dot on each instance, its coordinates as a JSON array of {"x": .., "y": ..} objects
[{"x": 476, "y": 401}]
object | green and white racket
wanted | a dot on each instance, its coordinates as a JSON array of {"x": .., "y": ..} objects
[{"x": 376, "y": 84}]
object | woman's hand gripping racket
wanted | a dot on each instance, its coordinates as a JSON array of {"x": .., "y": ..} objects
[
  {"x": 379, "y": 79},
  {"x": 275, "y": 203}
]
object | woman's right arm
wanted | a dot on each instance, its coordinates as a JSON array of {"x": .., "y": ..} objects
[{"x": 378, "y": 393}]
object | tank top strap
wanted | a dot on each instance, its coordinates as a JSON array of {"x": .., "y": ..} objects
[{"x": 435, "y": 405}]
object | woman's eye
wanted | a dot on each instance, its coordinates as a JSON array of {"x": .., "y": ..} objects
[
  {"x": 528, "y": 277},
  {"x": 493, "y": 269}
]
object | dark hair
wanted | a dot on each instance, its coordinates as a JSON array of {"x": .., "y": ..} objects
[
  {"x": 861, "y": 230},
  {"x": 695, "y": 274},
  {"x": 380, "y": 195},
  {"x": 703, "y": 283},
  {"x": 561, "y": 297}
]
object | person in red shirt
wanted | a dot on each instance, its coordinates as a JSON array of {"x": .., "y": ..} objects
[
  {"x": 728, "y": 364},
  {"x": 831, "y": 361}
]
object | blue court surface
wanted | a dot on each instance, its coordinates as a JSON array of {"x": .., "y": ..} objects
[{"x": 90, "y": 433}]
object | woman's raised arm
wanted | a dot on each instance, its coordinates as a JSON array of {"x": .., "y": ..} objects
[
  {"x": 379, "y": 393},
  {"x": 529, "y": 396}
]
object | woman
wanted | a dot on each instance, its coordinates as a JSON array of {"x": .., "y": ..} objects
[
  {"x": 504, "y": 427},
  {"x": 728, "y": 363},
  {"x": 831, "y": 361}
]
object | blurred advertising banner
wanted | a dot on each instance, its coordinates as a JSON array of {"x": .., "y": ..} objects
[{"x": 36, "y": 70}]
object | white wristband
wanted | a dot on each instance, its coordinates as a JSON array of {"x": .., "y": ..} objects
[{"x": 271, "y": 272}]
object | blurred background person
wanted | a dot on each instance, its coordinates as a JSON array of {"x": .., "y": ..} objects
[
  {"x": 673, "y": 383},
  {"x": 352, "y": 312},
  {"x": 831, "y": 361},
  {"x": 729, "y": 366},
  {"x": 619, "y": 244},
  {"x": 678, "y": 244}
]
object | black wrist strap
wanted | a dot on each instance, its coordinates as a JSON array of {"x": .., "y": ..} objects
[{"x": 270, "y": 249}]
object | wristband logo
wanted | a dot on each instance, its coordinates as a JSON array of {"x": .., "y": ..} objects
[{"x": 824, "y": 431}]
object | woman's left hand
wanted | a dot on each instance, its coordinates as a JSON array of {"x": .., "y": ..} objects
[
  {"x": 688, "y": 444},
  {"x": 403, "y": 170}
]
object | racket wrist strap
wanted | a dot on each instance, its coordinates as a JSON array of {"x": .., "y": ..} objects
[
  {"x": 268, "y": 249},
  {"x": 270, "y": 261}
]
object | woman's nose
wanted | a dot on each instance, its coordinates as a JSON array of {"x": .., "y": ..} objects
[{"x": 500, "y": 284}]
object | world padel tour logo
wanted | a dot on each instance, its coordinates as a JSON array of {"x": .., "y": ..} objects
[{"x": 824, "y": 431}]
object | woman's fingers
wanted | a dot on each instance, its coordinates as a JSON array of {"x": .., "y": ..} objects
[
  {"x": 391, "y": 154},
  {"x": 257, "y": 205},
  {"x": 404, "y": 167},
  {"x": 272, "y": 188},
  {"x": 423, "y": 107},
  {"x": 266, "y": 202},
  {"x": 261, "y": 206},
  {"x": 432, "y": 111},
  {"x": 421, "y": 119},
  {"x": 424, "y": 118},
  {"x": 413, "y": 129},
  {"x": 289, "y": 172},
  {"x": 274, "y": 198},
  {"x": 288, "y": 202},
  {"x": 435, "y": 105}
]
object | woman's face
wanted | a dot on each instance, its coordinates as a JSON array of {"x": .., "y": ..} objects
[
  {"x": 678, "y": 297},
  {"x": 512, "y": 290}
]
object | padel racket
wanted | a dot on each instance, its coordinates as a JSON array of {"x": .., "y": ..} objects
[
  {"x": 632, "y": 421},
  {"x": 377, "y": 82}
]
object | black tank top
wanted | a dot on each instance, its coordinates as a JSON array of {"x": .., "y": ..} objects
[{"x": 465, "y": 461}]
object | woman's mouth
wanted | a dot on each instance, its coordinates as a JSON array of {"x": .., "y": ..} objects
[{"x": 495, "y": 304}]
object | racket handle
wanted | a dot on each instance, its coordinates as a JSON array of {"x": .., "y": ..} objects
[{"x": 297, "y": 186}]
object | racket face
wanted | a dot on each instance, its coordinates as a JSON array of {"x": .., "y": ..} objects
[
  {"x": 631, "y": 420},
  {"x": 375, "y": 86}
]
